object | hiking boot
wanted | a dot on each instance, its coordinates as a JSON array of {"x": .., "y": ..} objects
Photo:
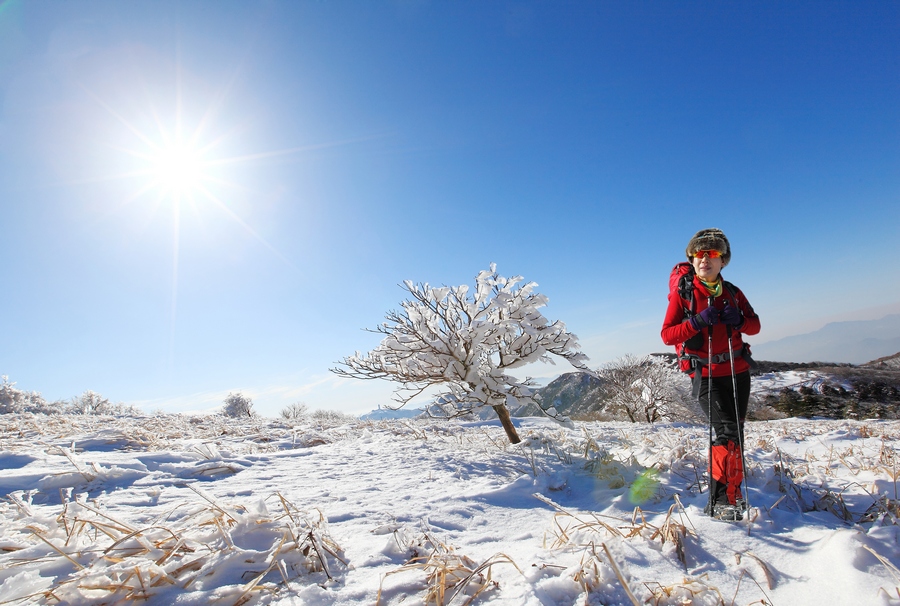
[
  {"x": 727, "y": 512},
  {"x": 741, "y": 504}
]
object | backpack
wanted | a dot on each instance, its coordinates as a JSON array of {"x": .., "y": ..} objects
[{"x": 681, "y": 280}]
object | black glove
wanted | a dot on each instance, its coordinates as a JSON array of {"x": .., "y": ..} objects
[
  {"x": 707, "y": 317},
  {"x": 731, "y": 316}
]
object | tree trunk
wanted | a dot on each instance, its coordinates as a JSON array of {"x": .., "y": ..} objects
[{"x": 503, "y": 413}]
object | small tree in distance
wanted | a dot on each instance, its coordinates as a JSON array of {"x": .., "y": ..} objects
[
  {"x": 647, "y": 389},
  {"x": 295, "y": 411},
  {"x": 237, "y": 405},
  {"x": 467, "y": 342}
]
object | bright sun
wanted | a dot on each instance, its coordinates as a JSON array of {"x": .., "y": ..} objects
[{"x": 178, "y": 168}]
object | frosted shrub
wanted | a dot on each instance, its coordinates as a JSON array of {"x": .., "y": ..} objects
[
  {"x": 237, "y": 405},
  {"x": 330, "y": 418},
  {"x": 13, "y": 400}
]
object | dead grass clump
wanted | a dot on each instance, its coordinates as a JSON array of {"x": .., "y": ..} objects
[
  {"x": 674, "y": 532},
  {"x": 567, "y": 526},
  {"x": 581, "y": 530},
  {"x": 448, "y": 574},
  {"x": 833, "y": 502},
  {"x": 884, "y": 509},
  {"x": 595, "y": 575},
  {"x": 696, "y": 591},
  {"x": 600, "y": 463},
  {"x": 556, "y": 445},
  {"x": 821, "y": 483}
]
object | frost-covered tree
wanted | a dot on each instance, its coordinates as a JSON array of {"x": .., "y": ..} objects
[
  {"x": 647, "y": 389},
  {"x": 467, "y": 342},
  {"x": 237, "y": 405}
]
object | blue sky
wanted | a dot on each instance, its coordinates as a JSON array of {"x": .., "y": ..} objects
[{"x": 344, "y": 147}]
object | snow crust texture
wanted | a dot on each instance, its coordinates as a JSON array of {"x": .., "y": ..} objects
[{"x": 202, "y": 510}]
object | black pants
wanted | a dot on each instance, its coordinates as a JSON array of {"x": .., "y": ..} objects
[
  {"x": 726, "y": 418},
  {"x": 717, "y": 398}
]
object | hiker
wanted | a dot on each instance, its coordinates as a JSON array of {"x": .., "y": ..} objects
[{"x": 704, "y": 311}]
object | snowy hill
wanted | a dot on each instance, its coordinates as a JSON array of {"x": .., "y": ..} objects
[
  {"x": 853, "y": 342},
  {"x": 885, "y": 362},
  {"x": 165, "y": 510},
  {"x": 573, "y": 393}
]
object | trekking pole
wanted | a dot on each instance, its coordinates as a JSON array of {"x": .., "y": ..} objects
[
  {"x": 737, "y": 416},
  {"x": 709, "y": 330}
]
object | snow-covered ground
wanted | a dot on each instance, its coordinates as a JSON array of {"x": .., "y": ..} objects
[{"x": 181, "y": 510}]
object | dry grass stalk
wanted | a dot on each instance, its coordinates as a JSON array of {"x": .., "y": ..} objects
[
  {"x": 273, "y": 562},
  {"x": 564, "y": 532},
  {"x": 214, "y": 470},
  {"x": 887, "y": 563},
  {"x": 764, "y": 602},
  {"x": 146, "y": 545},
  {"x": 770, "y": 578},
  {"x": 419, "y": 434},
  {"x": 23, "y": 507},
  {"x": 619, "y": 576},
  {"x": 121, "y": 526},
  {"x": 88, "y": 476},
  {"x": 211, "y": 502},
  {"x": 683, "y": 513},
  {"x": 57, "y": 549}
]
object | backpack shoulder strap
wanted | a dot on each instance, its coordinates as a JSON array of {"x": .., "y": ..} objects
[
  {"x": 686, "y": 292},
  {"x": 731, "y": 288}
]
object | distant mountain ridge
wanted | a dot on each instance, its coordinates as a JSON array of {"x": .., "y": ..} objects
[
  {"x": 574, "y": 394},
  {"x": 382, "y": 414},
  {"x": 854, "y": 342}
]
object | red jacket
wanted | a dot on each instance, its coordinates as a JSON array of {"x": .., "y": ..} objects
[{"x": 677, "y": 329}]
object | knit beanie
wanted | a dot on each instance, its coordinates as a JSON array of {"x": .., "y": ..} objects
[{"x": 710, "y": 239}]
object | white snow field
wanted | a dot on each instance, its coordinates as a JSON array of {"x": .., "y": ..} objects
[{"x": 209, "y": 510}]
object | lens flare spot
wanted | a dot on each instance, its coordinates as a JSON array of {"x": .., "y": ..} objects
[{"x": 644, "y": 486}]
